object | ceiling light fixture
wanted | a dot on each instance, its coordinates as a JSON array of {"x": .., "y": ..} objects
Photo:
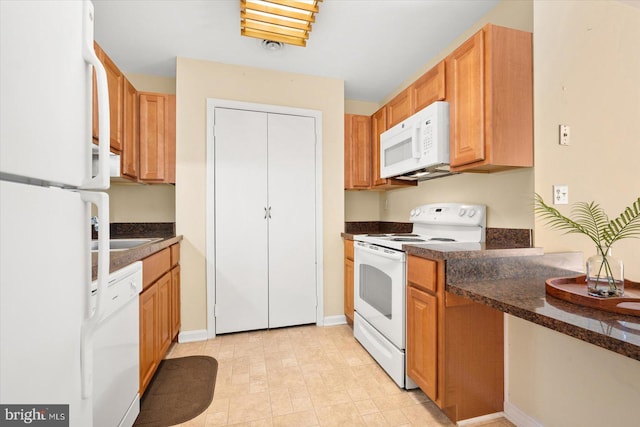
[
  {"x": 284, "y": 21},
  {"x": 272, "y": 46}
]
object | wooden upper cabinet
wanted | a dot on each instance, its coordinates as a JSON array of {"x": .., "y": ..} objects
[
  {"x": 399, "y": 108},
  {"x": 379, "y": 125},
  {"x": 130, "y": 145},
  {"x": 357, "y": 140},
  {"x": 115, "y": 81},
  {"x": 490, "y": 93},
  {"x": 170, "y": 158},
  {"x": 157, "y": 137},
  {"x": 429, "y": 88}
]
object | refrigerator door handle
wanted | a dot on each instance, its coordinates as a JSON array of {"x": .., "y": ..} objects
[
  {"x": 102, "y": 180},
  {"x": 101, "y": 200}
]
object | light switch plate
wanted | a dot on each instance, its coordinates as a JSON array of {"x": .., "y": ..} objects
[{"x": 565, "y": 135}]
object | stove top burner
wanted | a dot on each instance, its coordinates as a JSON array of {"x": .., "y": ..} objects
[
  {"x": 407, "y": 239},
  {"x": 392, "y": 235}
]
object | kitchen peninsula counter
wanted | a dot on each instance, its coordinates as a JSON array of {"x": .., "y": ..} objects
[{"x": 516, "y": 285}]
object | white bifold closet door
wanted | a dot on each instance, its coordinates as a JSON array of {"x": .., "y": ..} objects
[{"x": 265, "y": 220}]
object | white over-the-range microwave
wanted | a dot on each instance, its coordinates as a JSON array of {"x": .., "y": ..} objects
[{"x": 418, "y": 147}]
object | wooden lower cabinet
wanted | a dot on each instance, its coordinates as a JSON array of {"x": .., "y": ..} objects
[
  {"x": 164, "y": 313},
  {"x": 422, "y": 356},
  {"x": 455, "y": 347},
  {"x": 148, "y": 336},
  {"x": 159, "y": 313},
  {"x": 348, "y": 281},
  {"x": 175, "y": 301}
]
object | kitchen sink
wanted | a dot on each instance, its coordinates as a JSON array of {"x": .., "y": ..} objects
[{"x": 122, "y": 244}]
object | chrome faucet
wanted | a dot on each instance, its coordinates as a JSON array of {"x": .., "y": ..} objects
[{"x": 94, "y": 222}]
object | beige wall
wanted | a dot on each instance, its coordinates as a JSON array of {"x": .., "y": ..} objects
[
  {"x": 130, "y": 202},
  {"x": 586, "y": 75},
  {"x": 148, "y": 83},
  {"x": 199, "y": 80}
]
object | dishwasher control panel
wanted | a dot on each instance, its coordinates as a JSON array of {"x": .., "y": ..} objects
[{"x": 123, "y": 286}]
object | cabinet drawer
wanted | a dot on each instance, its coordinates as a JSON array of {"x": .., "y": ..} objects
[
  {"x": 155, "y": 266},
  {"x": 422, "y": 273},
  {"x": 175, "y": 254},
  {"x": 348, "y": 249}
]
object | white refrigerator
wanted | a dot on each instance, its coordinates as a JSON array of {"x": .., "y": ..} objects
[{"x": 46, "y": 183}]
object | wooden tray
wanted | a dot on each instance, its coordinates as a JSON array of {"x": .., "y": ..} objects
[{"x": 574, "y": 289}]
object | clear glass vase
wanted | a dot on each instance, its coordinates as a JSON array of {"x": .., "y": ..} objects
[{"x": 605, "y": 275}]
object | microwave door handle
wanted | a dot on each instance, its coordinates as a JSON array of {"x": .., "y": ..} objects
[{"x": 415, "y": 142}]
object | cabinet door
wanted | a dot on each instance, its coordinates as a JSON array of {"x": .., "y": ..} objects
[
  {"x": 241, "y": 268},
  {"x": 348, "y": 290},
  {"x": 292, "y": 224},
  {"x": 115, "y": 80},
  {"x": 153, "y": 123},
  {"x": 148, "y": 336},
  {"x": 378, "y": 125},
  {"x": 429, "y": 88},
  {"x": 422, "y": 360},
  {"x": 466, "y": 95},
  {"x": 358, "y": 144},
  {"x": 164, "y": 314},
  {"x": 399, "y": 108},
  {"x": 175, "y": 301},
  {"x": 129, "y": 156},
  {"x": 170, "y": 153}
]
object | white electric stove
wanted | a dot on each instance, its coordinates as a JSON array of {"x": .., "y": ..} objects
[{"x": 380, "y": 277}]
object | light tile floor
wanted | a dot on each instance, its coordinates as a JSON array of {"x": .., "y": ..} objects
[{"x": 306, "y": 376}]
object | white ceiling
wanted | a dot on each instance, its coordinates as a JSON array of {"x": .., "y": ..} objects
[{"x": 373, "y": 45}]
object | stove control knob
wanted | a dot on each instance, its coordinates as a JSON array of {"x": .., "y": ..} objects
[
  {"x": 471, "y": 213},
  {"x": 462, "y": 211},
  {"x": 418, "y": 212},
  {"x": 413, "y": 212}
]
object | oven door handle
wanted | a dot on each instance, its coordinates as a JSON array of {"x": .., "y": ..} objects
[{"x": 394, "y": 255}]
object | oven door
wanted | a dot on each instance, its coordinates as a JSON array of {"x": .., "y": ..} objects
[{"x": 379, "y": 295}]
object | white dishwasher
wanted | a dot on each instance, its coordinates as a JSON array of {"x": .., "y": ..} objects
[{"x": 116, "y": 348}]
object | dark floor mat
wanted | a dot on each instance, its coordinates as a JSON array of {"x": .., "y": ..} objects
[{"x": 180, "y": 390}]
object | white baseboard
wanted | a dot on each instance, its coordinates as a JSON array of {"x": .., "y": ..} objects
[
  {"x": 518, "y": 417},
  {"x": 481, "y": 419},
  {"x": 192, "y": 336},
  {"x": 340, "y": 319}
]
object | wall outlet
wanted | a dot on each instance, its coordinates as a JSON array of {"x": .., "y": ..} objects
[
  {"x": 565, "y": 135},
  {"x": 560, "y": 194}
]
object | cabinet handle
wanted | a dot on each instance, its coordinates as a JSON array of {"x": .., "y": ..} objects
[
  {"x": 269, "y": 212},
  {"x": 265, "y": 212}
]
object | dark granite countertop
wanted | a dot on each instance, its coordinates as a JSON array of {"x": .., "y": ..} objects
[
  {"x": 447, "y": 251},
  {"x": 500, "y": 242},
  {"x": 122, "y": 258},
  {"x": 516, "y": 285}
]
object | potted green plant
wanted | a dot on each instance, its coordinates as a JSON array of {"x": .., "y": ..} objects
[{"x": 605, "y": 274}]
